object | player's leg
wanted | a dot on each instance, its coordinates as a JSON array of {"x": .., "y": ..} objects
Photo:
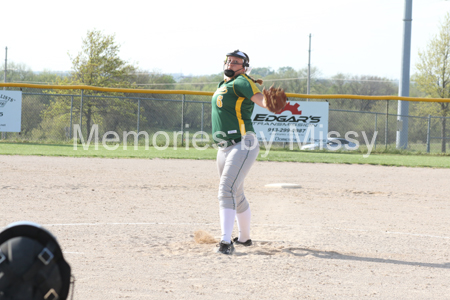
[
  {"x": 238, "y": 161},
  {"x": 220, "y": 160},
  {"x": 243, "y": 212},
  {"x": 227, "y": 212}
]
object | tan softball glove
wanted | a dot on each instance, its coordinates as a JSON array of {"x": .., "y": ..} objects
[{"x": 274, "y": 99}]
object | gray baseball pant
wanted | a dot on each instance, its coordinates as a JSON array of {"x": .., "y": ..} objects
[{"x": 234, "y": 163}]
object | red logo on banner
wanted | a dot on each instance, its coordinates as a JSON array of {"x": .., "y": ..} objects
[{"x": 292, "y": 108}]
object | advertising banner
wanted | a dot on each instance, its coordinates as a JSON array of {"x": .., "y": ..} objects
[
  {"x": 10, "y": 111},
  {"x": 299, "y": 121}
]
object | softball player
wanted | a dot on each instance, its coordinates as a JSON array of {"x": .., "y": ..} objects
[{"x": 238, "y": 147}]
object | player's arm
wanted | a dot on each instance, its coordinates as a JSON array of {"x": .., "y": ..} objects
[
  {"x": 273, "y": 99},
  {"x": 258, "y": 98}
]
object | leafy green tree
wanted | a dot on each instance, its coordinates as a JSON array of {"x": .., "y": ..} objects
[
  {"x": 370, "y": 86},
  {"x": 98, "y": 64},
  {"x": 160, "y": 81},
  {"x": 21, "y": 73},
  {"x": 261, "y": 72},
  {"x": 367, "y": 85},
  {"x": 433, "y": 74},
  {"x": 144, "y": 79},
  {"x": 294, "y": 81},
  {"x": 48, "y": 77},
  {"x": 338, "y": 84},
  {"x": 17, "y": 72},
  {"x": 206, "y": 83}
]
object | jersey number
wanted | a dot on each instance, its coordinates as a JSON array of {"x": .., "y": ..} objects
[{"x": 219, "y": 101}]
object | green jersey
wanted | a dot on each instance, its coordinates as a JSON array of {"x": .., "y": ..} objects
[{"x": 232, "y": 108}]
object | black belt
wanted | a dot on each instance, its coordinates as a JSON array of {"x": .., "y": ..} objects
[{"x": 228, "y": 143}]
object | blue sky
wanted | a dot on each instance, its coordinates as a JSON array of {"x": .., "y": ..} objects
[{"x": 357, "y": 37}]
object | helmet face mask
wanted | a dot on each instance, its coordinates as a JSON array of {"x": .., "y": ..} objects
[{"x": 31, "y": 264}]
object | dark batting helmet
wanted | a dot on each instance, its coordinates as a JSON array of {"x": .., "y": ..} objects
[
  {"x": 32, "y": 265},
  {"x": 244, "y": 56}
]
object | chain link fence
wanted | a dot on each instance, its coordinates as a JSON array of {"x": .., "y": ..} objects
[{"x": 54, "y": 116}]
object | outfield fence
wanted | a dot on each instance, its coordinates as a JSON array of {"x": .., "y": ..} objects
[{"x": 53, "y": 113}]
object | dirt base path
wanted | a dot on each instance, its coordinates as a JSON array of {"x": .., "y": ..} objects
[{"x": 126, "y": 227}]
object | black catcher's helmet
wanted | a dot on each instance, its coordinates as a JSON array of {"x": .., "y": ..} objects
[
  {"x": 32, "y": 266},
  {"x": 242, "y": 55}
]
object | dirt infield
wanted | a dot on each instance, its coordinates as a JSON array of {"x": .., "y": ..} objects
[{"x": 127, "y": 227}]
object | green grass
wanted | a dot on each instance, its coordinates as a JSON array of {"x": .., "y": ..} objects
[{"x": 397, "y": 158}]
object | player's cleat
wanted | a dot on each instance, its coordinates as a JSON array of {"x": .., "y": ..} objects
[
  {"x": 246, "y": 243},
  {"x": 225, "y": 248}
]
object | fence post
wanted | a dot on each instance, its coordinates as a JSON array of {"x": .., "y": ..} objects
[
  {"x": 138, "y": 114},
  {"x": 428, "y": 134},
  {"x": 386, "y": 125},
  {"x": 71, "y": 110},
  {"x": 376, "y": 125},
  {"x": 203, "y": 112},
  {"x": 182, "y": 120},
  {"x": 81, "y": 113}
]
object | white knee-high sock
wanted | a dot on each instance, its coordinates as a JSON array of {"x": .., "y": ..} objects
[
  {"x": 243, "y": 220},
  {"x": 227, "y": 217}
]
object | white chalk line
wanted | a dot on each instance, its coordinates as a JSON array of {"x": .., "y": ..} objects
[
  {"x": 418, "y": 234},
  {"x": 264, "y": 225}
]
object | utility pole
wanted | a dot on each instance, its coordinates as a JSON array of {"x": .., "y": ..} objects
[
  {"x": 403, "y": 106},
  {"x": 308, "y": 85}
]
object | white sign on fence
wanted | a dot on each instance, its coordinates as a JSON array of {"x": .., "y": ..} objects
[
  {"x": 10, "y": 111},
  {"x": 299, "y": 121}
]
